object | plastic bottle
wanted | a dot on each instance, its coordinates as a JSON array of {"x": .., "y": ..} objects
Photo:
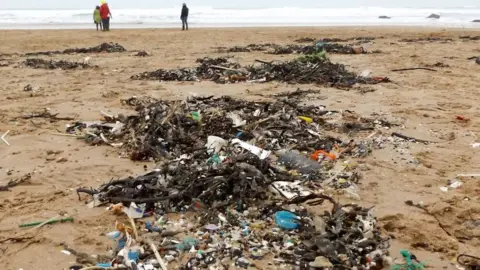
[{"x": 294, "y": 160}]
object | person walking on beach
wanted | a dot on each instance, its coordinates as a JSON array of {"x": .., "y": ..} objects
[
  {"x": 97, "y": 19},
  {"x": 105, "y": 15},
  {"x": 184, "y": 17}
]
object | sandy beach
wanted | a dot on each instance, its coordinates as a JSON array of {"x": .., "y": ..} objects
[{"x": 428, "y": 104}]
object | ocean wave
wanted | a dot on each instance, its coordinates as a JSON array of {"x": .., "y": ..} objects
[{"x": 266, "y": 16}]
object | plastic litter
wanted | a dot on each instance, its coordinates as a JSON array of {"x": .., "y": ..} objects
[
  {"x": 215, "y": 143},
  {"x": 287, "y": 220},
  {"x": 262, "y": 154},
  {"x": 411, "y": 262},
  {"x": 61, "y": 220}
]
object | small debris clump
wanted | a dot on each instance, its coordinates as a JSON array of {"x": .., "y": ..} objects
[
  {"x": 53, "y": 64},
  {"x": 102, "y": 48}
]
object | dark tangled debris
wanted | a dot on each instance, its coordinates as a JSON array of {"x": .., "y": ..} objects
[
  {"x": 466, "y": 38},
  {"x": 248, "y": 48},
  {"x": 142, "y": 54},
  {"x": 26, "y": 178},
  {"x": 53, "y": 64},
  {"x": 329, "y": 47},
  {"x": 151, "y": 133},
  {"x": 358, "y": 40},
  {"x": 308, "y": 69},
  {"x": 312, "y": 49},
  {"x": 427, "y": 39},
  {"x": 102, "y": 48},
  {"x": 237, "y": 189}
]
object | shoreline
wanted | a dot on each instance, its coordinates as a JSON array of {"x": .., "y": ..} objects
[
  {"x": 176, "y": 27},
  {"x": 469, "y": 26}
]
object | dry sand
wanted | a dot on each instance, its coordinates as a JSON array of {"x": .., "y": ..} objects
[{"x": 426, "y": 102}]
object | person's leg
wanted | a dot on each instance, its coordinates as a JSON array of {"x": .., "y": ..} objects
[
  {"x": 183, "y": 24},
  {"x": 186, "y": 23},
  {"x": 104, "y": 23},
  {"x": 96, "y": 24},
  {"x": 108, "y": 24}
]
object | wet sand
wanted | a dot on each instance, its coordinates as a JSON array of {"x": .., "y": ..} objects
[{"x": 425, "y": 102}]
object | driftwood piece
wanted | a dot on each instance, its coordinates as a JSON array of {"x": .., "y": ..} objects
[
  {"x": 46, "y": 114},
  {"x": 415, "y": 68},
  {"x": 396, "y": 134}
]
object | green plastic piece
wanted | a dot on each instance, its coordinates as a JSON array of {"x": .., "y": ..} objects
[
  {"x": 410, "y": 265},
  {"x": 196, "y": 116},
  {"x": 61, "y": 220}
]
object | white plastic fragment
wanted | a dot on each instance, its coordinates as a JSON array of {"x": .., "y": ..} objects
[
  {"x": 3, "y": 137},
  {"x": 215, "y": 143},
  {"x": 289, "y": 190},
  {"x": 456, "y": 184},
  {"x": 236, "y": 119},
  {"x": 262, "y": 154}
]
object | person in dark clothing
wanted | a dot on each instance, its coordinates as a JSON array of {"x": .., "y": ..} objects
[{"x": 184, "y": 17}]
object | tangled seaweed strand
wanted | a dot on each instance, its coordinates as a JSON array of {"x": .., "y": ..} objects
[
  {"x": 52, "y": 64},
  {"x": 102, "y": 48}
]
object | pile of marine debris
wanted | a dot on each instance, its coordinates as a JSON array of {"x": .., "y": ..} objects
[
  {"x": 53, "y": 64},
  {"x": 169, "y": 129},
  {"x": 315, "y": 69},
  {"x": 320, "y": 46},
  {"x": 102, "y": 48},
  {"x": 244, "y": 171}
]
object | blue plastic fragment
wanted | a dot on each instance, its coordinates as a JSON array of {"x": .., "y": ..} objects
[{"x": 287, "y": 220}]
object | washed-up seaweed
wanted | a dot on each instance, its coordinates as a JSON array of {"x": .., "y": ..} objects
[
  {"x": 14, "y": 183},
  {"x": 53, "y": 64},
  {"x": 439, "y": 64},
  {"x": 427, "y": 39},
  {"x": 358, "y": 40},
  {"x": 308, "y": 69},
  {"x": 305, "y": 40},
  {"x": 312, "y": 49},
  {"x": 102, "y": 48},
  {"x": 248, "y": 48},
  {"x": 466, "y": 38},
  {"x": 207, "y": 70},
  {"x": 329, "y": 47},
  {"x": 142, "y": 54}
]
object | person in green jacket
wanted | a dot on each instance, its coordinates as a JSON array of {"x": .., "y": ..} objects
[{"x": 97, "y": 19}]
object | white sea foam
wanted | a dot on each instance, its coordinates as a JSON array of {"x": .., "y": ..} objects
[{"x": 205, "y": 16}]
